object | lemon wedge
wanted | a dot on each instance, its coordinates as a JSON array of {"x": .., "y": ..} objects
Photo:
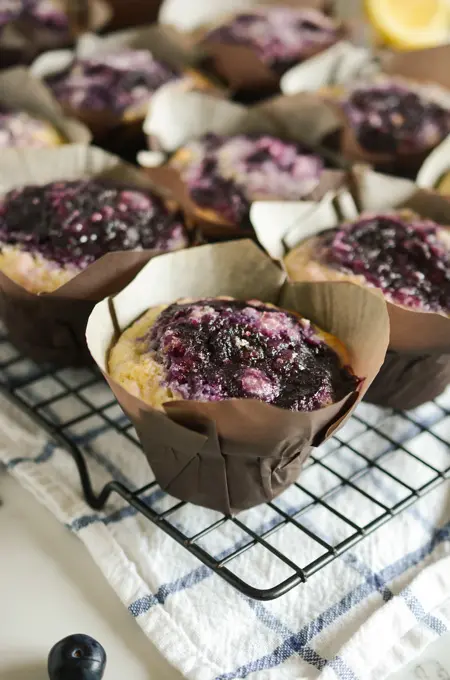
[{"x": 410, "y": 24}]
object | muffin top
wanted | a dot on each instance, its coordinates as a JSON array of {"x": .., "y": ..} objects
[
  {"x": 19, "y": 129},
  {"x": 226, "y": 174},
  {"x": 215, "y": 349},
  {"x": 389, "y": 117},
  {"x": 117, "y": 82},
  {"x": 407, "y": 258},
  {"x": 75, "y": 223},
  {"x": 281, "y": 36}
]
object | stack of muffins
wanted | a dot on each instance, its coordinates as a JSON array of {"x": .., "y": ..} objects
[{"x": 211, "y": 347}]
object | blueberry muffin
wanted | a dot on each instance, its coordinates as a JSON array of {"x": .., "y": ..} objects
[
  {"x": 407, "y": 258},
  {"x": 119, "y": 83},
  {"x": 19, "y": 129},
  {"x": 37, "y": 15},
  {"x": 396, "y": 117},
  {"x": 280, "y": 36},
  {"x": 221, "y": 348},
  {"x": 50, "y": 233},
  {"x": 401, "y": 254},
  {"x": 225, "y": 175}
]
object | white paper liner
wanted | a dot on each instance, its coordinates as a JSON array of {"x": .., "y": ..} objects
[
  {"x": 19, "y": 167},
  {"x": 275, "y": 221},
  {"x": 339, "y": 64},
  {"x": 21, "y": 91},
  {"x": 435, "y": 166},
  {"x": 281, "y": 227},
  {"x": 176, "y": 116}
]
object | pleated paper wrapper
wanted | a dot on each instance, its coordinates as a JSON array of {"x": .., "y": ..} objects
[{"x": 237, "y": 453}]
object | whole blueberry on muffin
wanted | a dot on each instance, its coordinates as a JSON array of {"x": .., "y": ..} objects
[
  {"x": 120, "y": 83},
  {"x": 395, "y": 117},
  {"x": 50, "y": 233},
  {"x": 403, "y": 255},
  {"x": 19, "y": 129},
  {"x": 281, "y": 36},
  {"x": 226, "y": 174},
  {"x": 221, "y": 348}
]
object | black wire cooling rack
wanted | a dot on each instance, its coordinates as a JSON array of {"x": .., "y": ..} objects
[{"x": 406, "y": 453}]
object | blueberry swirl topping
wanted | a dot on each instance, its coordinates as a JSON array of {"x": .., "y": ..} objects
[
  {"x": 407, "y": 260},
  {"x": 75, "y": 223},
  {"x": 216, "y": 349},
  {"x": 390, "y": 118}
]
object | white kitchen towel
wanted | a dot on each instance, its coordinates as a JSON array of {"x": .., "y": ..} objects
[{"x": 362, "y": 616}]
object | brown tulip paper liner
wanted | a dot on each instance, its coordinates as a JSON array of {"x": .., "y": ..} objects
[
  {"x": 22, "y": 40},
  {"x": 237, "y": 453},
  {"x": 241, "y": 68},
  {"x": 20, "y": 91},
  {"x": 50, "y": 326},
  {"x": 417, "y": 367},
  {"x": 164, "y": 43},
  {"x": 177, "y": 117}
]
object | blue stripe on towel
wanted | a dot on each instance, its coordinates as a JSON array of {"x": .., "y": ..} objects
[
  {"x": 45, "y": 455},
  {"x": 305, "y": 635}
]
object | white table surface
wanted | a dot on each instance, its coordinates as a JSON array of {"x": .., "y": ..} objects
[{"x": 50, "y": 588}]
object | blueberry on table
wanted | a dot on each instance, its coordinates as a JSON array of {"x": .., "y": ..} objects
[{"x": 77, "y": 657}]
